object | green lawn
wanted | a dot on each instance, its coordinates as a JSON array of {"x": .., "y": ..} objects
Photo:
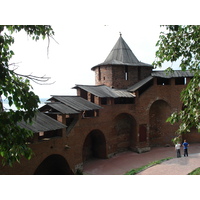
[
  {"x": 135, "y": 171},
  {"x": 195, "y": 172}
]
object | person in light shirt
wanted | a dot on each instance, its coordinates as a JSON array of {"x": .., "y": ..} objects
[{"x": 178, "y": 149}]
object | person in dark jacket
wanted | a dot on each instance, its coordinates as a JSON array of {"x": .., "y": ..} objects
[{"x": 185, "y": 148}]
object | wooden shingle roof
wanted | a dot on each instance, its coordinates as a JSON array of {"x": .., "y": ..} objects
[
  {"x": 41, "y": 123},
  {"x": 173, "y": 74},
  {"x": 104, "y": 91},
  {"x": 75, "y": 102},
  {"x": 160, "y": 74},
  {"x": 59, "y": 107},
  {"x": 121, "y": 54}
]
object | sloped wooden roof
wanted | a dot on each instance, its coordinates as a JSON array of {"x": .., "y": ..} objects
[
  {"x": 173, "y": 74},
  {"x": 59, "y": 107},
  {"x": 104, "y": 91},
  {"x": 139, "y": 84},
  {"x": 121, "y": 54},
  {"x": 41, "y": 123},
  {"x": 75, "y": 102},
  {"x": 161, "y": 74}
]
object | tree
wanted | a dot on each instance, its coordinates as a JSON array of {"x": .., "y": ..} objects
[
  {"x": 17, "y": 89},
  {"x": 182, "y": 43}
]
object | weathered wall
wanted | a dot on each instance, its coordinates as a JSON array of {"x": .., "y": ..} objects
[
  {"x": 117, "y": 126},
  {"x": 114, "y": 76}
]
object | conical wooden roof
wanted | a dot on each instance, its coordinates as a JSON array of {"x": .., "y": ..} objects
[{"x": 121, "y": 54}]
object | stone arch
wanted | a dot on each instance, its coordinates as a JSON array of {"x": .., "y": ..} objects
[
  {"x": 125, "y": 129},
  {"x": 54, "y": 165},
  {"x": 94, "y": 146},
  {"x": 159, "y": 132}
]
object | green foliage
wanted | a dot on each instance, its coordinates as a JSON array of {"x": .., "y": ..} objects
[
  {"x": 195, "y": 172},
  {"x": 79, "y": 172},
  {"x": 138, "y": 170},
  {"x": 13, "y": 138},
  {"x": 190, "y": 114},
  {"x": 183, "y": 43},
  {"x": 179, "y": 42},
  {"x": 176, "y": 140},
  {"x": 18, "y": 91}
]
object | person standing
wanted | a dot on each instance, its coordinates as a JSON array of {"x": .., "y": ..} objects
[
  {"x": 185, "y": 147},
  {"x": 178, "y": 150}
]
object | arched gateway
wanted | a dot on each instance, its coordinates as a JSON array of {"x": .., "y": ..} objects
[
  {"x": 54, "y": 165},
  {"x": 159, "y": 134},
  {"x": 94, "y": 145},
  {"x": 125, "y": 130}
]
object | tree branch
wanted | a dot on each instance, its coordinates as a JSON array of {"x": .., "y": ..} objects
[{"x": 36, "y": 79}]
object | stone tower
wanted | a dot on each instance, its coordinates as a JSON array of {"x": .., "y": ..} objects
[{"x": 121, "y": 69}]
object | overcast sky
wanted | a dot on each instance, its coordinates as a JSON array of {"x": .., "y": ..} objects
[
  {"x": 79, "y": 48},
  {"x": 86, "y": 31}
]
